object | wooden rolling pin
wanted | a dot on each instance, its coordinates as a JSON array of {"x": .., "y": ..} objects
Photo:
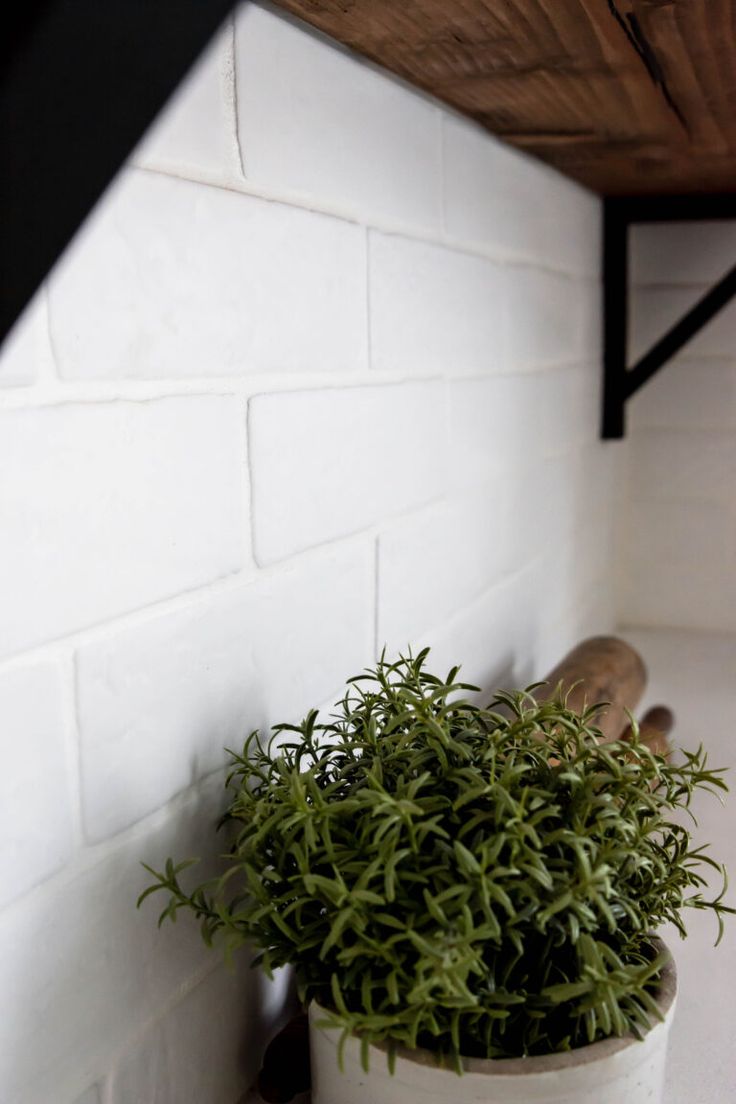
[
  {"x": 654, "y": 728},
  {"x": 601, "y": 669},
  {"x": 606, "y": 669}
]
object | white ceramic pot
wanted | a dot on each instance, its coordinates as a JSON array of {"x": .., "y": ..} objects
[{"x": 613, "y": 1071}]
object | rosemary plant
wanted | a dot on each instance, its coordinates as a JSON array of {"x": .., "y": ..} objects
[{"x": 478, "y": 881}]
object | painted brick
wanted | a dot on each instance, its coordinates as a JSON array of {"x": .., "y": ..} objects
[
  {"x": 170, "y": 278},
  {"x": 594, "y": 470},
  {"x": 158, "y": 702},
  {"x": 205, "y": 1051},
  {"x": 699, "y": 539},
  {"x": 693, "y": 672},
  {"x": 34, "y": 777},
  {"x": 690, "y": 394},
  {"x": 92, "y": 1096},
  {"x": 107, "y": 507},
  {"x": 494, "y": 425},
  {"x": 507, "y": 201},
  {"x": 506, "y": 423},
  {"x": 574, "y": 405},
  {"x": 81, "y": 967},
  {"x": 195, "y": 132},
  {"x": 578, "y": 568},
  {"x": 679, "y": 566},
  {"x": 678, "y": 595},
  {"x": 682, "y": 252},
  {"x": 312, "y": 121},
  {"x": 684, "y": 465},
  {"x": 482, "y": 437},
  {"x": 575, "y": 227},
  {"x": 654, "y": 310},
  {"x": 558, "y": 591},
  {"x": 590, "y": 299},
  {"x": 557, "y": 630},
  {"x": 26, "y": 352},
  {"x": 328, "y": 463},
  {"x": 545, "y": 319},
  {"x": 491, "y": 639},
  {"x": 546, "y": 505},
  {"x": 574, "y": 595},
  {"x": 432, "y": 564},
  {"x": 434, "y": 310}
]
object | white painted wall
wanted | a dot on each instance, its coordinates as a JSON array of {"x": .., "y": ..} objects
[
  {"x": 321, "y": 372},
  {"x": 679, "y": 554}
]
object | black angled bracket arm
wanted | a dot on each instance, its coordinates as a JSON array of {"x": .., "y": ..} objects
[{"x": 619, "y": 381}]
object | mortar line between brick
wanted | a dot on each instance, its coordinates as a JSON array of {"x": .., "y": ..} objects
[
  {"x": 250, "y": 487},
  {"x": 129, "y": 390},
  {"x": 55, "y": 374},
  {"x": 377, "y": 645},
  {"x": 368, "y": 307},
  {"x": 247, "y": 577},
  {"x": 229, "y": 75},
  {"x": 385, "y": 225},
  {"x": 73, "y": 749},
  {"x": 172, "y": 1001},
  {"x": 94, "y": 854}
]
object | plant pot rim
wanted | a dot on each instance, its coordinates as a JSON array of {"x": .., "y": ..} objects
[{"x": 559, "y": 1060}]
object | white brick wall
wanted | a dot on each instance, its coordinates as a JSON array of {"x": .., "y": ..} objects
[
  {"x": 34, "y": 777},
  {"x": 320, "y": 373},
  {"x": 682, "y": 253},
  {"x": 499, "y": 199},
  {"x": 158, "y": 701},
  {"x": 82, "y": 970},
  {"x": 252, "y": 286},
  {"x": 313, "y": 122},
  {"x": 464, "y": 550},
  {"x": 679, "y": 517},
  {"x": 195, "y": 135},
  {"x": 92, "y": 1096},
  {"x": 329, "y": 463},
  {"x": 204, "y": 1049},
  {"x": 108, "y": 506},
  {"x": 550, "y": 332},
  {"x": 26, "y": 353},
  {"x": 434, "y": 310},
  {"x": 654, "y": 309}
]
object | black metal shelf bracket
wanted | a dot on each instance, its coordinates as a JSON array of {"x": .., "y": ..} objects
[{"x": 619, "y": 381}]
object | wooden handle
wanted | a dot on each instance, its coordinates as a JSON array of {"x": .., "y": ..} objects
[
  {"x": 601, "y": 669},
  {"x": 654, "y": 728}
]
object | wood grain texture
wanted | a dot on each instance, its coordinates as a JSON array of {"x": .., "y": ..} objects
[
  {"x": 601, "y": 669},
  {"x": 654, "y": 728},
  {"x": 629, "y": 97}
]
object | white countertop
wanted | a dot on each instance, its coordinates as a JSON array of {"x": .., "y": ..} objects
[{"x": 695, "y": 674}]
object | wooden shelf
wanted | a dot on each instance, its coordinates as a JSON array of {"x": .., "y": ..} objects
[{"x": 628, "y": 97}]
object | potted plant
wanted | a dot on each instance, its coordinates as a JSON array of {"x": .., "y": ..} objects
[{"x": 462, "y": 889}]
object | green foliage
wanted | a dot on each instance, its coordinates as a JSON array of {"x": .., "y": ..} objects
[{"x": 479, "y": 881}]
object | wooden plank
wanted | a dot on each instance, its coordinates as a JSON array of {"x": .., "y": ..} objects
[
  {"x": 625, "y": 96},
  {"x": 696, "y": 50}
]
